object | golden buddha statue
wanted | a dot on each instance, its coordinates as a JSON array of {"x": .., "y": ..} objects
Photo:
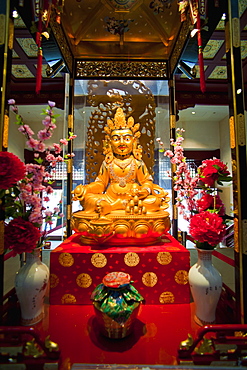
[{"x": 122, "y": 204}]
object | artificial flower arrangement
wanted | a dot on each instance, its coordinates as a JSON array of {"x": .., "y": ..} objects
[
  {"x": 22, "y": 185},
  {"x": 206, "y": 215}
]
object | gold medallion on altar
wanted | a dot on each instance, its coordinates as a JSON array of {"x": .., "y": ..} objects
[
  {"x": 164, "y": 258},
  {"x": 66, "y": 259},
  {"x": 181, "y": 277},
  {"x": 167, "y": 297},
  {"x": 84, "y": 280},
  {"x": 131, "y": 259},
  {"x": 149, "y": 279},
  {"x": 68, "y": 299},
  {"x": 54, "y": 280},
  {"x": 99, "y": 260}
]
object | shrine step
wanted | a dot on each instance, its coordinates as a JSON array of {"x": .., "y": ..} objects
[{"x": 159, "y": 272}]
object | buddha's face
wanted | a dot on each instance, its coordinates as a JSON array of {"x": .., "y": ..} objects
[{"x": 122, "y": 141}]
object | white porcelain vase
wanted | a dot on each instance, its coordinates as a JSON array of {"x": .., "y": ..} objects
[
  {"x": 206, "y": 285},
  {"x": 31, "y": 283}
]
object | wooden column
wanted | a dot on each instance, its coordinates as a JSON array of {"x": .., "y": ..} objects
[
  {"x": 238, "y": 152},
  {"x": 6, "y": 44},
  {"x": 172, "y": 118}
]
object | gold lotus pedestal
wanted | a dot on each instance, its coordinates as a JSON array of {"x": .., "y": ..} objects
[{"x": 119, "y": 228}]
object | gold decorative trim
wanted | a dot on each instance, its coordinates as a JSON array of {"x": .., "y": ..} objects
[
  {"x": 66, "y": 259},
  {"x": 244, "y": 230},
  {"x": 61, "y": 40},
  {"x": 131, "y": 259},
  {"x": 1, "y": 237},
  {"x": 241, "y": 129},
  {"x": 2, "y": 29},
  {"x": 181, "y": 277},
  {"x": 173, "y": 167},
  {"x": 71, "y": 121},
  {"x": 149, "y": 279},
  {"x": 6, "y": 131},
  {"x": 11, "y": 34},
  {"x": 227, "y": 37},
  {"x": 174, "y": 249},
  {"x": 171, "y": 83},
  {"x": 202, "y": 322},
  {"x": 180, "y": 43},
  {"x": 175, "y": 212},
  {"x": 68, "y": 211},
  {"x": 164, "y": 258},
  {"x": 167, "y": 297},
  {"x": 98, "y": 260},
  {"x": 236, "y": 235},
  {"x": 232, "y": 132},
  {"x": 54, "y": 281},
  {"x": 172, "y": 120},
  {"x": 69, "y": 165},
  {"x": 28, "y": 322},
  {"x": 84, "y": 280},
  {"x": 68, "y": 299},
  {"x": 236, "y": 32},
  {"x": 120, "y": 69}
]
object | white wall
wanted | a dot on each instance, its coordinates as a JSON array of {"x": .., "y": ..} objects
[
  {"x": 16, "y": 141},
  {"x": 201, "y": 135}
]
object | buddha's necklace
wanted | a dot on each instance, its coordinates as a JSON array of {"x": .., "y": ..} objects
[
  {"x": 122, "y": 180},
  {"x": 122, "y": 163}
]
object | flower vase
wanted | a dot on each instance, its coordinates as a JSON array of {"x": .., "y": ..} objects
[
  {"x": 31, "y": 283},
  {"x": 206, "y": 285}
]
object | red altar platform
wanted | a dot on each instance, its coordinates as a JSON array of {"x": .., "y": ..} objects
[
  {"x": 157, "y": 334},
  {"x": 159, "y": 272}
]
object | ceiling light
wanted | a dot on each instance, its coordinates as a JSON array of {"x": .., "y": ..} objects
[
  {"x": 193, "y": 112},
  {"x": 15, "y": 14},
  {"x": 193, "y": 32}
]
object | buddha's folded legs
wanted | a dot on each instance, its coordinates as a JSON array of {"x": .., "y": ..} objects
[{"x": 101, "y": 203}]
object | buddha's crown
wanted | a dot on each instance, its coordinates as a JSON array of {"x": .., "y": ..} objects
[{"x": 119, "y": 123}]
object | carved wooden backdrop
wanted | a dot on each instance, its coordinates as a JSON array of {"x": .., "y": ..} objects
[{"x": 136, "y": 100}]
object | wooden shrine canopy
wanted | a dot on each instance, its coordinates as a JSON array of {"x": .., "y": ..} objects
[{"x": 86, "y": 36}]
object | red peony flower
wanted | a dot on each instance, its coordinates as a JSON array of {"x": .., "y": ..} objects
[
  {"x": 21, "y": 236},
  {"x": 207, "y": 227},
  {"x": 208, "y": 201},
  {"x": 12, "y": 170},
  {"x": 211, "y": 170}
]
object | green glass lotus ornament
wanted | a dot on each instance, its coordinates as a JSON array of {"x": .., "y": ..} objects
[{"x": 116, "y": 303}]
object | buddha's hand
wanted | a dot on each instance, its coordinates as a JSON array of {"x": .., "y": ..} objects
[
  {"x": 144, "y": 192},
  {"x": 134, "y": 206},
  {"x": 79, "y": 192},
  {"x": 139, "y": 192}
]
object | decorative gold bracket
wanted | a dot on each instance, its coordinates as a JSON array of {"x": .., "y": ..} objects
[
  {"x": 241, "y": 129},
  {"x": 244, "y": 226},
  {"x": 2, "y": 29}
]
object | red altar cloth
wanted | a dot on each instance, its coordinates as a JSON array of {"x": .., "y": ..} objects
[{"x": 159, "y": 272}]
